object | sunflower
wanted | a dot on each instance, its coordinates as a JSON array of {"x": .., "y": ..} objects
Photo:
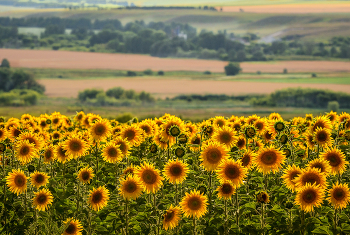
[
  {"x": 39, "y": 179},
  {"x": 3, "y": 134},
  {"x": 336, "y": 159},
  {"x": 56, "y": 119},
  {"x": 191, "y": 128},
  {"x": 195, "y": 142},
  {"x": 61, "y": 154},
  {"x": 309, "y": 138},
  {"x": 85, "y": 175},
  {"x": 98, "y": 198},
  {"x": 308, "y": 117},
  {"x": 49, "y": 154},
  {"x": 176, "y": 171},
  {"x": 269, "y": 159},
  {"x": 321, "y": 122},
  {"x": 171, "y": 217},
  {"x": 158, "y": 140},
  {"x": 322, "y": 136},
  {"x": 100, "y": 129},
  {"x": 17, "y": 181},
  {"x": 332, "y": 117},
  {"x": 344, "y": 116},
  {"x": 241, "y": 142},
  {"x": 75, "y": 147},
  {"x": 147, "y": 128},
  {"x": 275, "y": 116},
  {"x": 212, "y": 155},
  {"x": 111, "y": 153},
  {"x": 321, "y": 164},
  {"x": 25, "y": 151},
  {"x": 226, "y": 190},
  {"x": 290, "y": 173},
  {"x": 165, "y": 127},
  {"x": 130, "y": 187},
  {"x": 261, "y": 125},
  {"x": 252, "y": 119},
  {"x": 73, "y": 227},
  {"x": 247, "y": 159},
  {"x": 310, "y": 176},
  {"x": 339, "y": 195},
  {"x": 123, "y": 144},
  {"x": 232, "y": 171},
  {"x": 263, "y": 197},
  {"x": 79, "y": 117},
  {"x": 42, "y": 199},
  {"x": 130, "y": 170},
  {"x": 226, "y": 136},
  {"x": 182, "y": 138},
  {"x": 56, "y": 135},
  {"x": 150, "y": 177},
  {"x": 194, "y": 204},
  {"x": 179, "y": 151},
  {"x": 268, "y": 135},
  {"x": 133, "y": 134},
  {"x": 309, "y": 196},
  {"x": 219, "y": 121}
]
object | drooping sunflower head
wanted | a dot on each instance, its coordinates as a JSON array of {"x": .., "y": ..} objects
[
  {"x": 309, "y": 196},
  {"x": 194, "y": 204},
  {"x": 283, "y": 139},
  {"x": 182, "y": 138},
  {"x": 75, "y": 147},
  {"x": 98, "y": 198},
  {"x": 130, "y": 187},
  {"x": 226, "y": 136},
  {"x": 336, "y": 160},
  {"x": 290, "y": 173},
  {"x": 269, "y": 159},
  {"x": 263, "y": 197},
  {"x": 111, "y": 153},
  {"x": 322, "y": 136},
  {"x": 149, "y": 177},
  {"x": 226, "y": 190},
  {"x": 39, "y": 179},
  {"x": 100, "y": 129},
  {"x": 339, "y": 195},
  {"x": 176, "y": 171},
  {"x": 17, "y": 181},
  {"x": 310, "y": 176},
  {"x": 232, "y": 171},
  {"x": 85, "y": 175},
  {"x": 320, "y": 164},
  {"x": 25, "y": 151},
  {"x": 171, "y": 217},
  {"x": 73, "y": 227},
  {"x": 213, "y": 154},
  {"x": 133, "y": 134},
  {"x": 42, "y": 199}
]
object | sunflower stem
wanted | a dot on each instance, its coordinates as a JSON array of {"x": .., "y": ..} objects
[
  {"x": 237, "y": 211},
  {"x": 210, "y": 186},
  {"x": 302, "y": 230},
  {"x": 225, "y": 201},
  {"x": 262, "y": 217},
  {"x": 335, "y": 220},
  {"x": 39, "y": 161},
  {"x": 96, "y": 152},
  {"x": 4, "y": 172},
  {"x": 176, "y": 196},
  {"x": 126, "y": 217},
  {"x": 194, "y": 226},
  {"x": 290, "y": 219},
  {"x": 78, "y": 196}
]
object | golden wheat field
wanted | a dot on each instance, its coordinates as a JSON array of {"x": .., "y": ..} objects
[{"x": 84, "y": 174}]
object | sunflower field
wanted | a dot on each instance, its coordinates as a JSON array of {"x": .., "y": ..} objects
[{"x": 225, "y": 175}]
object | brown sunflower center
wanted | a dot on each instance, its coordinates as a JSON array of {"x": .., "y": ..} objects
[
  {"x": 269, "y": 158},
  {"x": 42, "y": 199},
  {"x": 100, "y": 129},
  {"x": 319, "y": 166},
  {"x": 194, "y": 203},
  {"x": 241, "y": 143},
  {"x": 24, "y": 150},
  {"x": 179, "y": 152},
  {"x": 214, "y": 156},
  {"x": 245, "y": 160},
  {"x": 232, "y": 171},
  {"x": 321, "y": 136},
  {"x": 85, "y": 175},
  {"x": 130, "y": 134},
  {"x": 237, "y": 126},
  {"x": 264, "y": 197},
  {"x": 72, "y": 229},
  {"x": 226, "y": 188},
  {"x": 112, "y": 152},
  {"x": 309, "y": 196},
  {"x": 197, "y": 140},
  {"x": 97, "y": 197},
  {"x": 220, "y": 123},
  {"x": 130, "y": 187},
  {"x": 129, "y": 171},
  {"x": 338, "y": 194},
  {"x": 75, "y": 145},
  {"x": 169, "y": 215},
  {"x": 48, "y": 154},
  {"x": 39, "y": 178},
  {"x": 293, "y": 175},
  {"x": 311, "y": 178},
  {"x": 56, "y": 135},
  {"x": 175, "y": 170},
  {"x": 149, "y": 177},
  {"x": 20, "y": 181},
  {"x": 61, "y": 152},
  {"x": 225, "y": 137},
  {"x": 80, "y": 116},
  {"x": 318, "y": 124},
  {"x": 43, "y": 123},
  {"x": 146, "y": 129},
  {"x": 259, "y": 126},
  {"x": 55, "y": 120},
  {"x": 333, "y": 159}
]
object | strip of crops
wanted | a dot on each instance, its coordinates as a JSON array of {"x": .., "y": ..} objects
[{"x": 238, "y": 175}]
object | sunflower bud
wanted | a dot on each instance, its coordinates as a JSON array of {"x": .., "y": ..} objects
[
  {"x": 202, "y": 188},
  {"x": 250, "y": 132},
  {"x": 174, "y": 131},
  {"x": 182, "y": 138},
  {"x": 287, "y": 152},
  {"x": 262, "y": 197},
  {"x": 283, "y": 139},
  {"x": 48, "y": 121},
  {"x": 153, "y": 148},
  {"x": 279, "y": 126},
  {"x": 179, "y": 152}
]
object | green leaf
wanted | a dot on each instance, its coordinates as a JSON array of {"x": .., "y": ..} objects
[{"x": 322, "y": 230}]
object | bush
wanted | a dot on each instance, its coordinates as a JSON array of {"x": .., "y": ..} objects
[
  {"x": 285, "y": 71},
  {"x": 232, "y": 69},
  {"x": 207, "y": 72},
  {"x": 131, "y": 74},
  {"x": 115, "y": 92},
  {"x": 56, "y": 47},
  {"x": 19, "y": 97},
  {"x": 89, "y": 94},
  {"x": 314, "y": 75},
  {"x": 123, "y": 118},
  {"x": 148, "y": 72},
  {"x": 333, "y": 106},
  {"x": 161, "y": 73},
  {"x": 258, "y": 72},
  {"x": 5, "y": 64}
]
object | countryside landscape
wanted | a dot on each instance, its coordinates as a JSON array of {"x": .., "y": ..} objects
[{"x": 163, "y": 117}]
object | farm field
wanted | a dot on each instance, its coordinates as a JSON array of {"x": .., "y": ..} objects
[{"x": 89, "y": 60}]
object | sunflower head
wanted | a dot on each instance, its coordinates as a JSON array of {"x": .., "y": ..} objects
[
  {"x": 42, "y": 199},
  {"x": 25, "y": 151},
  {"x": 75, "y": 147},
  {"x": 130, "y": 187},
  {"x": 49, "y": 154},
  {"x": 250, "y": 132},
  {"x": 269, "y": 159},
  {"x": 111, "y": 153},
  {"x": 279, "y": 126},
  {"x": 39, "y": 179},
  {"x": 182, "y": 138},
  {"x": 72, "y": 227},
  {"x": 226, "y": 136},
  {"x": 320, "y": 164},
  {"x": 231, "y": 171},
  {"x": 287, "y": 152},
  {"x": 290, "y": 173},
  {"x": 309, "y": 196},
  {"x": 85, "y": 175},
  {"x": 262, "y": 197},
  {"x": 339, "y": 195},
  {"x": 336, "y": 160},
  {"x": 310, "y": 176},
  {"x": 179, "y": 151},
  {"x": 283, "y": 139},
  {"x": 322, "y": 136},
  {"x": 176, "y": 171},
  {"x": 225, "y": 190},
  {"x": 100, "y": 129},
  {"x": 149, "y": 177},
  {"x": 98, "y": 198},
  {"x": 171, "y": 217},
  {"x": 174, "y": 131},
  {"x": 194, "y": 204},
  {"x": 17, "y": 181},
  {"x": 212, "y": 155}
]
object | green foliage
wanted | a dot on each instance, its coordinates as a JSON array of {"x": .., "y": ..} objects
[
  {"x": 5, "y": 63},
  {"x": 333, "y": 106},
  {"x": 160, "y": 73},
  {"x": 299, "y": 97},
  {"x": 232, "y": 69},
  {"x": 18, "y": 97},
  {"x": 131, "y": 74},
  {"x": 148, "y": 72},
  {"x": 89, "y": 94},
  {"x": 17, "y": 79}
]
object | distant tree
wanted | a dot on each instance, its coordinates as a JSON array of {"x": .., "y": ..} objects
[
  {"x": 241, "y": 56},
  {"x": 54, "y": 29},
  {"x": 161, "y": 73},
  {"x": 333, "y": 106},
  {"x": 5, "y": 63},
  {"x": 115, "y": 92},
  {"x": 232, "y": 69}
]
